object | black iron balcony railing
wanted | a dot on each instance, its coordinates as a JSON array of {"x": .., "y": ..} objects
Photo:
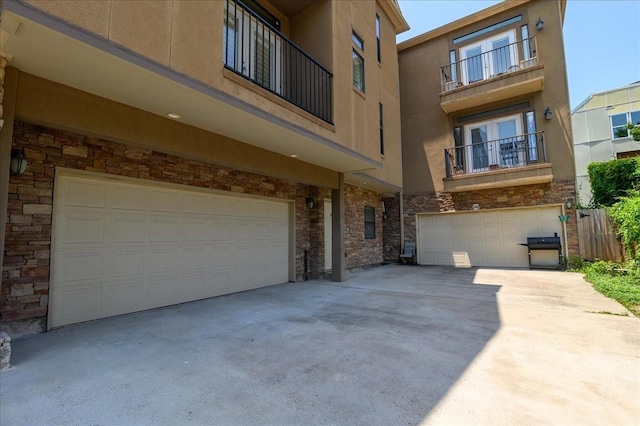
[
  {"x": 490, "y": 64},
  {"x": 258, "y": 52},
  {"x": 517, "y": 151}
]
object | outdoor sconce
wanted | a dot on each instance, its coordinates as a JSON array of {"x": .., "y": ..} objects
[
  {"x": 310, "y": 203},
  {"x": 18, "y": 162},
  {"x": 547, "y": 114},
  {"x": 539, "y": 24},
  {"x": 476, "y": 207},
  {"x": 569, "y": 202}
]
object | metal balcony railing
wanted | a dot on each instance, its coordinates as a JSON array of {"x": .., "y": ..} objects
[
  {"x": 258, "y": 52},
  {"x": 490, "y": 64},
  {"x": 513, "y": 152}
]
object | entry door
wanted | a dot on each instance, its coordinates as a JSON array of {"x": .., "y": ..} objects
[{"x": 489, "y": 57}]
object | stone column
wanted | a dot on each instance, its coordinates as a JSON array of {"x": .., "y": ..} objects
[{"x": 8, "y": 88}]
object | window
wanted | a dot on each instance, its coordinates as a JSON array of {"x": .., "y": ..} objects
[
  {"x": 378, "y": 37},
  {"x": 619, "y": 123},
  {"x": 358, "y": 62},
  {"x": 494, "y": 144},
  {"x": 526, "y": 45},
  {"x": 369, "y": 223},
  {"x": 381, "y": 129},
  {"x": 489, "y": 57}
]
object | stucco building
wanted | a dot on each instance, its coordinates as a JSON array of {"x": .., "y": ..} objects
[
  {"x": 486, "y": 137},
  {"x": 600, "y": 133},
  {"x": 181, "y": 150}
]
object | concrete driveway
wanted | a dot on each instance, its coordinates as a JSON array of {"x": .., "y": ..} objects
[{"x": 394, "y": 345}]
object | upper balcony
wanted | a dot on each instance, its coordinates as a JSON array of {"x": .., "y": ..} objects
[
  {"x": 512, "y": 161},
  {"x": 255, "y": 50},
  {"x": 484, "y": 76}
]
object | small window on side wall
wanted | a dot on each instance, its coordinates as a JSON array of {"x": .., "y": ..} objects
[{"x": 369, "y": 223}]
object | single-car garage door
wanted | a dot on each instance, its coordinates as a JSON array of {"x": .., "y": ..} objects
[
  {"x": 486, "y": 237},
  {"x": 122, "y": 246}
]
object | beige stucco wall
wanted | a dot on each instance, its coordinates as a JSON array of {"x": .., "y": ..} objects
[
  {"x": 44, "y": 102},
  {"x": 427, "y": 130},
  {"x": 186, "y": 36}
]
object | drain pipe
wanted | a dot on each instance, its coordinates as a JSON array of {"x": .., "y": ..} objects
[{"x": 401, "y": 199}]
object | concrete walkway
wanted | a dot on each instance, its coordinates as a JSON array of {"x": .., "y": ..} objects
[{"x": 394, "y": 345}]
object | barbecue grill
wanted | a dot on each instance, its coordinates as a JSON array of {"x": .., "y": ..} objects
[{"x": 544, "y": 243}]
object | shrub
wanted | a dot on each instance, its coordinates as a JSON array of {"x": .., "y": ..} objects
[
  {"x": 613, "y": 179},
  {"x": 625, "y": 215}
]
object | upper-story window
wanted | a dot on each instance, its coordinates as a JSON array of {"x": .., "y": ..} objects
[
  {"x": 358, "y": 61},
  {"x": 489, "y": 57},
  {"x": 619, "y": 123},
  {"x": 378, "y": 38},
  {"x": 381, "y": 112}
]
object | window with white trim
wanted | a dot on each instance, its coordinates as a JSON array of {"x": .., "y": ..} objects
[{"x": 619, "y": 122}]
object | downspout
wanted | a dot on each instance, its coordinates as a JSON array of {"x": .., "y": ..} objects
[{"x": 401, "y": 196}]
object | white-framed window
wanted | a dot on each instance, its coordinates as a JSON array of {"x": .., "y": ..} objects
[
  {"x": 489, "y": 57},
  {"x": 619, "y": 123},
  {"x": 358, "y": 61}
]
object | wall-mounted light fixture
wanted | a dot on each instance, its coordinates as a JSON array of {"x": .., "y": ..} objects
[
  {"x": 539, "y": 24},
  {"x": 569, "y": 202},
  {"x": 310, "y": 203},
  {"x": 384, "y": 212},
  {"x": 18, "y": 162},
  {"x": 547, "y": 114},
  {"x": 476, "y": 207}
]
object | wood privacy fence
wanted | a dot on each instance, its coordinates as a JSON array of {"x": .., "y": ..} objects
[{"x": 598, "y": 239}]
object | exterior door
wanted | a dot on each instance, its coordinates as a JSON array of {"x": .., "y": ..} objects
[
  {"x": 489, "y": 57},
  {"x": 498, "y": 143}
]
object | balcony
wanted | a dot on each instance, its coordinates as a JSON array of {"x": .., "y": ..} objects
[
  {"x": 258, "y": 52},
  {"x": 513, "y": 161},
  {"x": 492, "y": 76}
]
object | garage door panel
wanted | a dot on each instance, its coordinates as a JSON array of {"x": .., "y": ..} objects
[
  {"x": 122, "y": 246},
  {"x": 126, "y": 229},
  {"x": 195, "y": 229},
  {"x": 163, "y": 259},
  {"x": 121, "y": 297},
  {"x": 195, "y": 204},
  {"x": 124, "y": 262},
  {"x": 82, "y": 193},
  {"x": 77, "y": 304},
  {"x": 486, "y": 237},
  {"x": 78, "y": 265},
  {"x": 164, "y": 201},
  {"x": 128, "y": 198},
  {"x": 80, "y": 229},
  {"x": 164, "y": 230}
]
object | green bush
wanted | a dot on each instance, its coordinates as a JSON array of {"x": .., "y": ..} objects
[
  {"x": 613, "y": 179},
  {"x": 625, "y": 215}
]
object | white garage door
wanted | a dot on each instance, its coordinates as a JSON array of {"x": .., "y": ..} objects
[
  {"x": 486, "y": 237},
  {"x": 124, "y": 246}
]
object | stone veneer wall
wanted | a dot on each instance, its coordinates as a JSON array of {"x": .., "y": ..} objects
[
  {"x": 516, "y": 196},
  {"x": 360, "y": 251},
  {"x": 24, "y": 292},
  {"x": 391, "y": 229}
]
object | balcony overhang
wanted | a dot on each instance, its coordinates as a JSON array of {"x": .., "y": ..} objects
[
  {"x": 528, "y": 175},
  {"x": 46, "y": 47},
  {"x": 506, "y": 86}
]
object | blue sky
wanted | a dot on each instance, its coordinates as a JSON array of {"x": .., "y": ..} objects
[{"x": 601, "y": 38}]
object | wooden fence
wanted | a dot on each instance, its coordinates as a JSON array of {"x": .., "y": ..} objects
[{"x": 598, "y": 239}]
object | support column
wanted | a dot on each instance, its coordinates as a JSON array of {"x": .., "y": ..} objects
[
  {"x": 8, "y": 89},
  {"x": 337, "y": 232}
]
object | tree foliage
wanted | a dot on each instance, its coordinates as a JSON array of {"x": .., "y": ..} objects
[
  {"x": 613, "y": 179},
  {"x": 626, "y": 217}
]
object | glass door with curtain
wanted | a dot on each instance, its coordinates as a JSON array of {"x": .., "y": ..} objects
[
  {"x": 489, "y": 57},
  {"x": 492, "y": 144}
]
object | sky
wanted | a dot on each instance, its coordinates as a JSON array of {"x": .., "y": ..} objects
[{"x": 601, "y": 38}]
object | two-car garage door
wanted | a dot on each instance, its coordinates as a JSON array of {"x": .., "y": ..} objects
[
  {"x": 486, "y": 238},
  {"x": 124, "y": 246}
]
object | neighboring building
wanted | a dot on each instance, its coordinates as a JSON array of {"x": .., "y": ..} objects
[
  {"x": 483, "y": 168},
  {"x": 181, "y": 150},
  {"x": 600, "y": 132}
]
